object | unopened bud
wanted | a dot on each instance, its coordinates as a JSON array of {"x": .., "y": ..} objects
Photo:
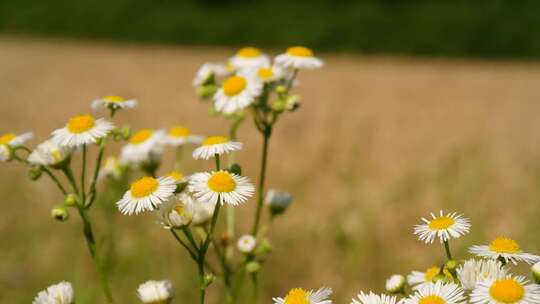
[
  {"x": 60, "y": 213},
  {"x": 207, "y": 91},
  {"x": 35, "y": 172},
  {"x": 440, "y": 277},
  {"x": 6, "y": 153},
  {"x": 264, "y": 247},
  {"x": 253, "y": 267},
  {"x": 225, "y": 239},
  {"x": 278, "y": 201},
  {"x": 395, "y": 284},
  {"x": 70, "y": 200},
  {"x": 208, "y": 279},
  {"x": 236, "y": 169},
  {"x": 292, "y": 102},
  {"x": 281, "y": 89},
  {"x": 452, "y": 266}
]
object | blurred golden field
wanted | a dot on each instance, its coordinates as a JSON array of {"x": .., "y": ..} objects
[{"x": 378, "y": 143}]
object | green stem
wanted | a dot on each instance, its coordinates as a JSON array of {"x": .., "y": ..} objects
[
  {"x": 55, "y": 180},
  {"x": 178, "y": 160},
  {"x": 92, "y": 191},
  {"x": 191, "y": 253},
  {"x": 83, "y": 176},
  {"x": 447, "y": 249},
  {"x": 69, "y": 175},
  {"x": 260, "y": 194}
]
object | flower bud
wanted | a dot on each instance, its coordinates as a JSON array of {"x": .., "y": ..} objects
[
  {"x": 292, "y": 102},
  {"x": 208, "y": 279},
  {"x": 236, "y": 169},
  {"x": 440, "y": 277},
  {"x": 35, "y": 173},
  {"x": 277, "y": 201},
  {"x": 6, "y": 153},
  {"x": 225, "y": 239},
  {"x": 452, "y": 266},
  {"x": 536, "y": 272},
  {"x": 281, "y": 89},
  {"x": 207, "y": 91},
  {"x": 70, "y": 200},
  {"x": 395, "y": 284},
  {"x": 279, "y": 105},
  {"x": 264, "y": 247},
  {"x": 60, "y": 213},
  {"x": 253, "y": 267}
]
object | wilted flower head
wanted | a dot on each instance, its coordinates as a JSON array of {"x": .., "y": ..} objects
[
  {"x": 395, "y": 283},
  {"x": 61, "y": 293},
  {"x": 49, "y": 153},
  {"x": 156, "y": 292},
  {"x": 474, "y": 271}
]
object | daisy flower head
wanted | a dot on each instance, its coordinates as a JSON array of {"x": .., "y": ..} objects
[
  {"x": 444, "y": 227},
  {"x": 506, "y": 249},
  {"x": 113, "y": 168},
  {"x": 302, "y": 296},
  {"x": 437, "y": 293},
  {"x": 177, "y": 176},
  {"x": 177, "y": 212},
  {"x": 154, "y": 292},
  {"x": 208, "y": 71},
  {"x": 82, "y": 130},
  {"x": 13, "y": 140},
  {"x": 220, "y": 187},
  {"x": 144, "y": 145},
  {"x": 246, "y": 243},
  {"x": 509, "y": 290},
  {"x": 49, "y": 153},
  {"x": 474, "y": 271},
  {"x": 236, "y": 93},
  {"x": 213, "y": 145},
  {"x": 146, "y": 194},
  {"x": 299, "y": 57},
  {"x": 395, "y": 283},
  {"x": 249, "y": 58},
  {"x": 179, "y": 135},
  {"x": 113, "y": 103},
  {"x": 371, "y": 298},
  {"x": 6, "y": 154},
  {"x": 61, "y": 293},
  {"x": 268, "y": 74},
  {"x": 418, "y": 279}
]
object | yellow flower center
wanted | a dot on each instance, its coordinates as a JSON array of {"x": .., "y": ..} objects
[
  {"x": 179, "y": 131},
  {"x": 114, "y": 99},
  {"x": 80, "y": 124},
  {"x": 141, "y": 136},
  {"x": 176, "y": 175},
  {"x": 7, "y": 138},
  {"x": 441, "y": 223},
  {"x": 431, "y": 299},
  {"x": 265, "y": 73},
  {"x": 504, "y": 245},
  {"x": 221, "y": 182},
  {"x": 506, "y": 291},
  {"x": 300, "y": 51},
  {"x": 249, "y": 52},
  {"x": 297, "y": 296},
  {"x": 234, "y": 85},
  {"x": 433, "y": 271},
  {"x": 214, "y": 140},
  {"x": 144, "y": 187},
  {"x": 179, "y": 208}
]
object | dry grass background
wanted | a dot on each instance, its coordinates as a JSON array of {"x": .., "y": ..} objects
[{"x": 377, "y": 143}]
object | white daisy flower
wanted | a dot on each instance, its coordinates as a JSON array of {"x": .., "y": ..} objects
[
  {"x": 509, "y": 290},
  {"x": 6, "y": 154},
  {"x": 61, "y": 293},
  {"x": 215, "y": 145},
  {"x": 82, "y": 130},
  {"x": 371, "y": 298},
  {"x": 211, "y": 69},
  {"x": 246, "y": 243},
  {"x": 177, "y": 212},
  {"x": 474, "y": 271},
  {"x": 14, "y": 140},
  {"x": 267, "y": 74},
  {"x": 233, "y": 189},
  {"x": 302, "y": 296},
  {"x": 236, "y": 93},
  {"x": 419, "y": 280},
  {"x": 146, "y": 194},
  {"x": 202, "y": 212},
  {"x": 156, "y": 292},
  {"x": 437, "y": 293},
  {"x": 145, "y": 145},
  {"x": 112, "y": 167},
  {"x": 444, "y": 227},
  {"x": 114, "y": 103},
  {"x": 504, "y": 248},
  {"x": 395, "y": 283},
  {"x": 179, "y": 135},
  {"x": 248, "y": 58},
  {"x": 49, "y": 153},
  {"x": 299, "y": 57}
]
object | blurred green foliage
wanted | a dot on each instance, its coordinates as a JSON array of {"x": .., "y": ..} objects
[{"x": 482, "y": 28}]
